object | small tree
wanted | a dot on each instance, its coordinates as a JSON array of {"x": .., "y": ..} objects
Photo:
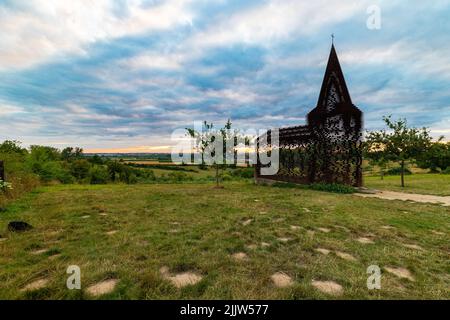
[
  {"x": 202, "y": 139},
  {"x": 437, "y": 157},
  {"x": 399, "y": 144},
  {"x": 206, "y": 139},
  {"x": 12, "y": 146},
  {"x": 71, "y": 153}
]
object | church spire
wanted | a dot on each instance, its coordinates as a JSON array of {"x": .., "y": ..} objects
[{"x": 333, "y": 85}]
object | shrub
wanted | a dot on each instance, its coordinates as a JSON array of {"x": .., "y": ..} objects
[
  {"x": 80, "y": 169},
  {"x": 179, "y": 176},
  {"x": 246, "y": 173},
  {"x": 446, "y": 171},
  {"x": 98, "y": 175},
  {"x": 96, "y": 159},
  {"x": 226, "y": 176},
  {"x": 328, "y": 187},
  {"x": 12, "y": 146},
  {"x": 397, "y": 171},
  {"x": 145, "y": 175},
  {"x": 51, "y": 170},
  {"x": 333, "y": 187},
  {"x": 287, "y": 185}
]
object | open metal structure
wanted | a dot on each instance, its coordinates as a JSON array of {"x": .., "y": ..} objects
[{"x": 326, "y": 150}]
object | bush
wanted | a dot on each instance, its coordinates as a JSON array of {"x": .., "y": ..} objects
[
  {"x": 145, "y": 175},
  {"x": 226, "y": 176},
  {"x": 397, "y": 171},
  {"x": 288, "y": 185},
  {"x": 333, "y": 187},
  {"x": 51, "y": 170},
  {"x": 96, "y": 159},
  {"x": 327, "y": 187},
  {"x": 179, "y": 177},
  {"x": 446, "y": 171},
  {"x": 98, "y": 175},
  {"x": 246, "y": 173},
  {"x": 80, "y": 169}
]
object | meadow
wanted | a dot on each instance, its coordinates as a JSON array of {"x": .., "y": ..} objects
[
  {"x": 232, "y": 241},
  {"x": 424, "y": 183}
]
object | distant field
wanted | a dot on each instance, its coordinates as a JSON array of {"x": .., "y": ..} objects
[
  {"x": 436, "y": 184},
  {"x": 235, "y": 239},
  {"x": 151, "y": 162}
]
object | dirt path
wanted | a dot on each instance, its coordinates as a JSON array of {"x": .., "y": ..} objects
[{"x": 392, "y": 195}]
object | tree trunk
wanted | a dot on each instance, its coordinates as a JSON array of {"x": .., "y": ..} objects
[{"x": 402, "y": 166}]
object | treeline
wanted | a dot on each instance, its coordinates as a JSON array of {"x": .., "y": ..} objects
[{"x": 48, "y": 164}]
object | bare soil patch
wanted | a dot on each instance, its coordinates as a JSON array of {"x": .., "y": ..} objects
[
  {"x": 240, "y": 256},
  {"x": 38, "y": 252},
  {"x": 328, "y": 287},
  {"x": 345, "y": 256},
  {"x": 400, "y": 272},
  {"x": 35, "y": 285},
  {"x": 323, "y": 251},
  {"x": 365, "y": 240},
  {"x": 412, "y": 246},
  {"x": 181, "y": 280},
  {"x": 102, "y": 288},
  {"x": 281, "y": 280}
]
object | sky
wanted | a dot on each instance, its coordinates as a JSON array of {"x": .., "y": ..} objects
[{"x": 122, "y": 75}]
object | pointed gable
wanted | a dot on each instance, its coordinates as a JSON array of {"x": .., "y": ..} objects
[{"x": 334, "y": 89}]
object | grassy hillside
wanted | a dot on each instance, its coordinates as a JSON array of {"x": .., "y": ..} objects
[{"x": 193, "y": 227}]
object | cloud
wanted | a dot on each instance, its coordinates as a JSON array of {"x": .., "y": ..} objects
[
  {"x": 154, "y": 61},
  {"x": 35, "y": 31},
  {"x": 274, "y": 21},
  {"x": 8, "y": 109},
  {"x": 418, "y": 57},
  {"x": 115, "y": 74}
]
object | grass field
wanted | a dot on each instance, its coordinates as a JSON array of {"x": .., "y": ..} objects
[
  {"x": 436, "y": 184},
  {"x": 194, "y": 227}
]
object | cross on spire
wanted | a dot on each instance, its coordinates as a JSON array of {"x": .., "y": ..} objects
[{"x": 332, "y": 38}]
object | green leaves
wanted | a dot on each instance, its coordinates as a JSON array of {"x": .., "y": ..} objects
[{"x": 399, "y": 143}]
